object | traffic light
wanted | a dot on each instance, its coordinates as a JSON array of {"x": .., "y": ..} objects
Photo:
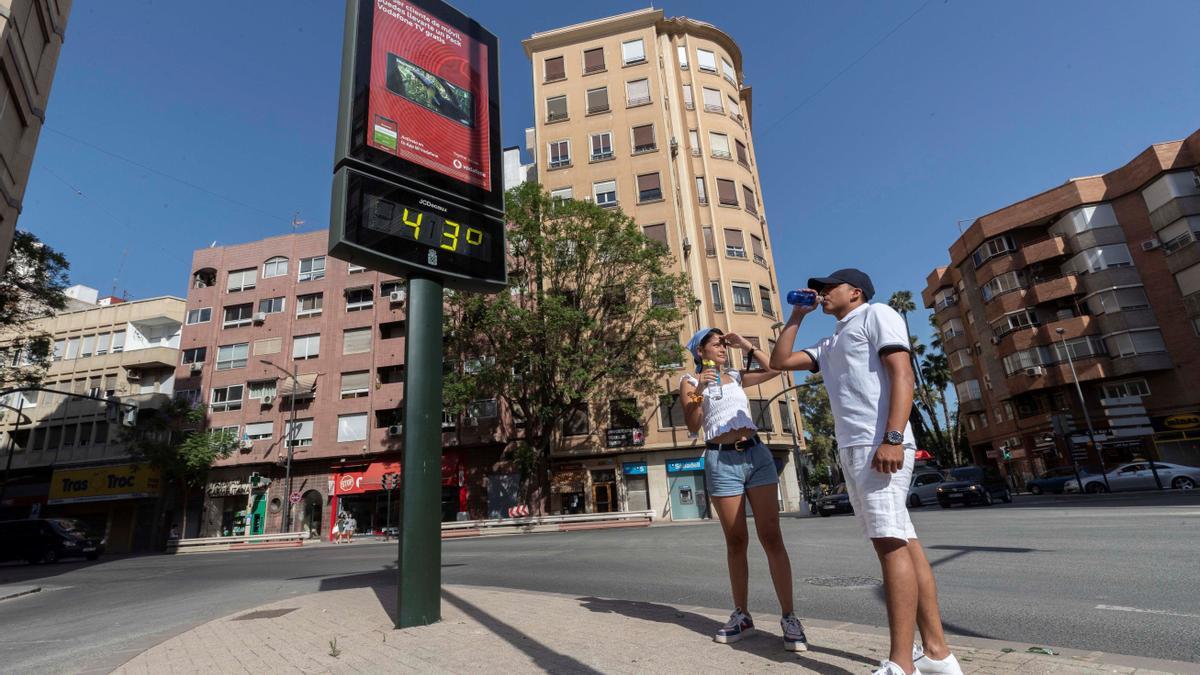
[{"x": 129, "y": 415}]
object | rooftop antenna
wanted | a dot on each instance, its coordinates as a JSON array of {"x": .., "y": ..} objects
[
  {"x": 120, "y": 267},
  {"x": 296, "y": 222}
]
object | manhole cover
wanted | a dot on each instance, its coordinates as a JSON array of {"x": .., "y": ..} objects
[
  {"x": 845, "y": 582},
  {"x": 266, "y": 614}
]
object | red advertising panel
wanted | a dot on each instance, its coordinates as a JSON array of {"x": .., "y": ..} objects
[{"x": 428, "y": 100}]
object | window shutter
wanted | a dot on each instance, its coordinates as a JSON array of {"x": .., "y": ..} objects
[
  {"x": 734, "y": 238},
  {"x": 356, "y": 341},
  {"x": 712, "y": 99},
  {"x": 268, "y": 346},
  {"x": 597, "y": 99},
  {"x": 643, "y": 136},
  {"x": 757, "y": 246},
  {"x": 742, "y": 155},
  {"x": 656, "y": 232},
  {"x": 687, "y": 96},
  {"x": 556, "y": 108},
  {"x": 726, "y": 192},
  {"x": 356, "y": 381},
  {"x": 719, "y": 144},
  {"x": 649, "y": 181},
  {"x": 555, "y": 69},
  {"x": 748, "y": 196},
  {"x": 710, "y": 247},
  {"x": 638, "y": 90},
  {"x": 593, "y": 60}
]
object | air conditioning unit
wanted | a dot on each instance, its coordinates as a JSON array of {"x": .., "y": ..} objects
[
  {"x": 1151, "y": 244},
  {"x": 1035, "y": 371},
  {"x": 396, "y": 296},
  {"x": 260, "y": 317},
  {"x": 133, "y": 376},
  {"x": 396, "y": 430},
  {"x": 195, "y": 367},
  {"x": 268, "y": 400},
  {"x": 674, "y": 146}
]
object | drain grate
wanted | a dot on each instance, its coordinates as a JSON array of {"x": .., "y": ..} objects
[
  {"x": 266, "y": 614},
  {"x": 845, "y": 582}
]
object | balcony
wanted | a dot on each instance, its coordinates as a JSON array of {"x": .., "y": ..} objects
[
  {"x": 975, "y": 405},
  {"x": 150, "y": 356},
  {"x": 1047, "y": 290},
  {"x": 1126, "y": 319},
  {"x": 1006, "y": 303},
  {"x": 1076, "y": 326},
  {"x": 1042, "y": 250},
  {"x": 1095, "y": 367},
  {"x": 946, "y": 308},
  {"x": 1183, "y": 256},
  {"x": 1141, "y": 363},
  {"x": 148, "y": 401},
  {"x": 955, "y": 342}
]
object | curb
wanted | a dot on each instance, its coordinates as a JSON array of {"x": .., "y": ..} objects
[{"x": 17, "y": 591}]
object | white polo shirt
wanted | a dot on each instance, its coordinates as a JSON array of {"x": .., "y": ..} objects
[{"x": 858, "y": 385}]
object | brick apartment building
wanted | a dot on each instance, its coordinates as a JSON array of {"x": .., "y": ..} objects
[
  {"x": 1106, "y": 269},
  {"x": 276, "y": 330}
]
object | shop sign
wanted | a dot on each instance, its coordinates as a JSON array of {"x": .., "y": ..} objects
[
  {"x": 228, "y": 488},
  {"x": 568, "y": 481},
  {"x": 682, "y": 465},
  {"x": 1180, "y": 422},
  {"x": 634, "y": 468},
  {"x": 370, "y": 479},
  {"x": 625, "y": 438},
  {"x": 123, "y": 481}
]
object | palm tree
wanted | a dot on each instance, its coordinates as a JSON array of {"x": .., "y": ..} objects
[{"x": 902, "y": 302}]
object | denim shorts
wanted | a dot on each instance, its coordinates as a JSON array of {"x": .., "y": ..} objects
[{"x": 732, "y": 472}]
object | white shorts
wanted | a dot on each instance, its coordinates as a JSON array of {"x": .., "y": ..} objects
[{"x": 880, "y": 500}]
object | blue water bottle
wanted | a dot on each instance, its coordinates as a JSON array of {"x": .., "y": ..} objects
[{"x": 802, "y": 298}]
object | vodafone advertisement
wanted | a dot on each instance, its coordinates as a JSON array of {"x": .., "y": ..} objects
[{"x": 429, "y": 94}]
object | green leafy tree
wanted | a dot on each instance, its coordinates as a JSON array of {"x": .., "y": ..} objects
[
  {"x": 173, "y": 440},
  {"x": 30, "y": 289},
  {"x": 592, "y": 311},
  {"x": 821, "y": 439}
]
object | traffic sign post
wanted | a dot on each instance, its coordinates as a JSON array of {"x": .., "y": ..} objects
[
  {"x": 418, "y": 193},
  {"x": 294, "y": 498}
]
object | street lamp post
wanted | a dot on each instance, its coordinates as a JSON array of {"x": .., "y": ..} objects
[
  {"x": 287, "y": 472},
  {"x": 1086, "y": 417}
]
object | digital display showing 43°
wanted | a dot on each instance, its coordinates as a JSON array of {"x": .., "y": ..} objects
[{"x": 429, "y": 226}]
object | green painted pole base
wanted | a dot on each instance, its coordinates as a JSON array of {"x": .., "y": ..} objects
[{"x": 420, "y": 561}]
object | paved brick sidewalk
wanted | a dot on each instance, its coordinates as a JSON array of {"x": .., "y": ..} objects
[{"x": 490, "y": 630}]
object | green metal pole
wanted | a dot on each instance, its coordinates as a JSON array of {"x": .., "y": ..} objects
[{"x": 420, "y": 561}]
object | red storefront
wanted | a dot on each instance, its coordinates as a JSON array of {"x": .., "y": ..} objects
[{"x": 358, "y": 490}]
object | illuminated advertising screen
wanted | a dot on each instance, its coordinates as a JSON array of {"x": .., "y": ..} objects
[
  {"x": 418, "y": 141},
  {"x": 428, "y": 93}
]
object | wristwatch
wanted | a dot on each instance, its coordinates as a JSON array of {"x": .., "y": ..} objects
[{"x": 894, "y": 438}]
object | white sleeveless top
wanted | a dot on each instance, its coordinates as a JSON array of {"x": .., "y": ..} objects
[{"x": 731, "y": 411}]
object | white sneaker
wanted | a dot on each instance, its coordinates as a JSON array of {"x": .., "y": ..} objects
[
  {"x": 946, "y": 666},
  {"x": 890, "y": 668}
]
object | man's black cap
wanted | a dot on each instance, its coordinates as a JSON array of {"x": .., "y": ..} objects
[{"x": 856, "y": 278}]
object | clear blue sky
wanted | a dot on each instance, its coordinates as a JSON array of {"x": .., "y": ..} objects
[{"x": 967, "y": 107}]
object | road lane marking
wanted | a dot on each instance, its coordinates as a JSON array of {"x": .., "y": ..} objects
[{"x": 1137, "y": 610}]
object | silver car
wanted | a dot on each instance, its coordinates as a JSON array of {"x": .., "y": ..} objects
[
  {"x": 923, "y": 489},
  {"x": 1139, "y": 476}
]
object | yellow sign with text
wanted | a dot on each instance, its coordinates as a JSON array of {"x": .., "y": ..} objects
[{"x": 101, "y": 483}]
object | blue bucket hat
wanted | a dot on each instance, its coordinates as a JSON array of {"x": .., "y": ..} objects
[{"x": 697, "y": 340}]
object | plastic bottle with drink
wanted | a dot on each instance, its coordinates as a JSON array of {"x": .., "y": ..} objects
[
  {"x": 802, "y": 298},
  {"x": 714, "y": 387}
]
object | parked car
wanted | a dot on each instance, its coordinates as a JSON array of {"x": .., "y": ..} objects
[
  {"x": 837, "y": 501},
  {"x": 973, "y": 485},
  {"x": 1139, "y": 476},
  {"x": 47, "y": 540},
  {"x": 923, "y": 489},
  {"x": 1053, "y": 480}
]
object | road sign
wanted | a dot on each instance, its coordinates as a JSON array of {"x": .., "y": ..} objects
[
  {"x": 294, "y": 498},
  {"x": 418, "y": 184}
]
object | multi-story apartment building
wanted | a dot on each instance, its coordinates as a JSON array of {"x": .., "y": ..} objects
[
  {"x": 32, "y": 31},
  {"x": 650, "y": 115},
  {"x": 67, "y": 459},
  {"x": 1104, "y": 270},
  {"x": 278, "y": 336}
]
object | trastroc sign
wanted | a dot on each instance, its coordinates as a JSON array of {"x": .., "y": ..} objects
[{"x": 122, "y": 481}]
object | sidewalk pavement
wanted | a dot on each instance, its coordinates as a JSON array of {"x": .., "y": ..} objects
[{"x": 349, "y": 630}]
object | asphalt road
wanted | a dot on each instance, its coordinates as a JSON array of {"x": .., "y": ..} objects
[{"x": 1118, "y": 573}]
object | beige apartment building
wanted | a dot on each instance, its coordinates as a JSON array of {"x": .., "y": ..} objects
[
  {"x": 68, "y": 458},
  {"x": 32, "y": 32},
  {"x": 1095, "y": 282},
  {"x": 651, "y": 115}
]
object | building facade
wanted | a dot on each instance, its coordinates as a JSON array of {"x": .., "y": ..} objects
[
  {"x": 651, "y": 115},
  {"x": 1096, "y": 280},
  {"x": 279, "y": 336},
  {"x": 33, "y": 32},
  {"x": 68, "y": 458}
]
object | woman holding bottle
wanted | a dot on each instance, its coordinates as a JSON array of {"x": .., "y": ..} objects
[{"x": 737, "y": 467}]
